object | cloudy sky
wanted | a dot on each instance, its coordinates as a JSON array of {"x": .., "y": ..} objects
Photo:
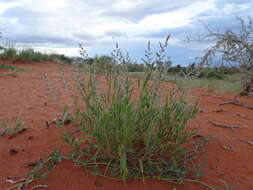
[{"x": 59, "y": 25}]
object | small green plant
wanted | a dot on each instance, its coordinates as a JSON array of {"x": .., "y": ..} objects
[
  {"x": 132, "y": 136},
  {"x": 7, "y": 127},
  {"x": 40, "y": 171},
  {"x": 13, "y": 73},
  {"x": 43, "y": 167}
]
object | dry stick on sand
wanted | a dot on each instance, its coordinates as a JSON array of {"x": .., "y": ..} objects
[
  {"x": 244, "y": 141},
  {"x": 40, "y": 186},
  {"x": 17, "y": 133},
  {"x": 234, "y": 102},
  {"x": 21, "y": 183},
  {"x": 226, "y": 126}
]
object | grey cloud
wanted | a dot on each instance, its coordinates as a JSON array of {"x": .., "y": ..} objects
[
  {"x": 41, "y": 40},
  {"x": 147, "y": 8},
  {"x": 115, "y": 33},
  {"x": 84, "y": 36}
]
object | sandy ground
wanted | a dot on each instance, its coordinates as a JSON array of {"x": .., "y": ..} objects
[{"x": 28, "y": 97}]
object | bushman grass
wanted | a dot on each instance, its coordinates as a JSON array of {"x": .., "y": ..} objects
[{"x": 128, "y": 136}]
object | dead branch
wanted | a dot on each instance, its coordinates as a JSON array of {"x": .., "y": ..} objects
[
  {"x": 21, "y": 184},
  {"x": 31, "y": 164},
  {"x": 228, "y": 148},
  {"x": 233, "y": 102},
  {"x": 244, "y": 141},
  {"x": 40, "y": 186},
  {"x": 8, "y": 180},
  {"x": 242, "y": 116},
  {"x": 17, "y": 133},
  {"x": 218, "y": 111},
  {"x": 226, "y": 126}
]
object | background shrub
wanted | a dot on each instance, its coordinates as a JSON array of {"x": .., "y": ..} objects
[
  {"x": 211, "y": 73},
  {"x": 103, "y": 63},
  {"x": 9, "y": 54},
  {"x": 134, "y": 67},
  {"x": 60, "y": 58},
  {"x": 29, "y": 55}
]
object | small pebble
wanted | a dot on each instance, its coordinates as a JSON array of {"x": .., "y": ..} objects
[
  {"x": 97, "y": 184},
  {"x": 2, "y": 133},
  {"x": 218, "y": 111},
  {"x": 13, "y": 151}
]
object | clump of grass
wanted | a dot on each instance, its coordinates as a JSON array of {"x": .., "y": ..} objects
[
  {"x": 132, "y": 136},
  {"x": 42, "y": 168},
  {"x": 7, "y": 127}
]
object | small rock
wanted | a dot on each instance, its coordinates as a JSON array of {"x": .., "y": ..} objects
[
  {"x": 65, "y": 122},
  {"x": 40, "y": 186},
  {"x": 30, "y": 164},
  {"x": 97, "y": 184},
  {"x": 218, "y": 111},
  {"x": 13, "y": 151},
  {"x": 198, "y": 137},
  {"x": 222, "y": 174},
  {"x": 2, "y": 133},
  {"x": 8, "y": 180},
  {"x": 55, "y": 120},
  {"x": 47, "y": 125},
  {"x": 13, "y": 135}
]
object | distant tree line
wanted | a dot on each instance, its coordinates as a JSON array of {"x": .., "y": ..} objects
[{"x": 29, "y": 55}]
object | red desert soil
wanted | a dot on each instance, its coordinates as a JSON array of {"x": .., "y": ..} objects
[{"x": 26, "y": 96}]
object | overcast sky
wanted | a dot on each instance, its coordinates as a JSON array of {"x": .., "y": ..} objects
[{"x": 59, "y": 25}]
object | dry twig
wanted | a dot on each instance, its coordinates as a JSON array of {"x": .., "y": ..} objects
[
  {"x": 226, "y": 126},
  {"x": 40, "y": 186},
  {"x": 21, "y": 183},
  {"x": 234, "y": 102},
  {"x": 244, "y": 141},
  {"x": 227, "y": 147},
  {"x": 17, "y": 133}
]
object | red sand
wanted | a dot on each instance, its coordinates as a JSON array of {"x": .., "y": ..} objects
[{"x": 26, "y": 96}]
